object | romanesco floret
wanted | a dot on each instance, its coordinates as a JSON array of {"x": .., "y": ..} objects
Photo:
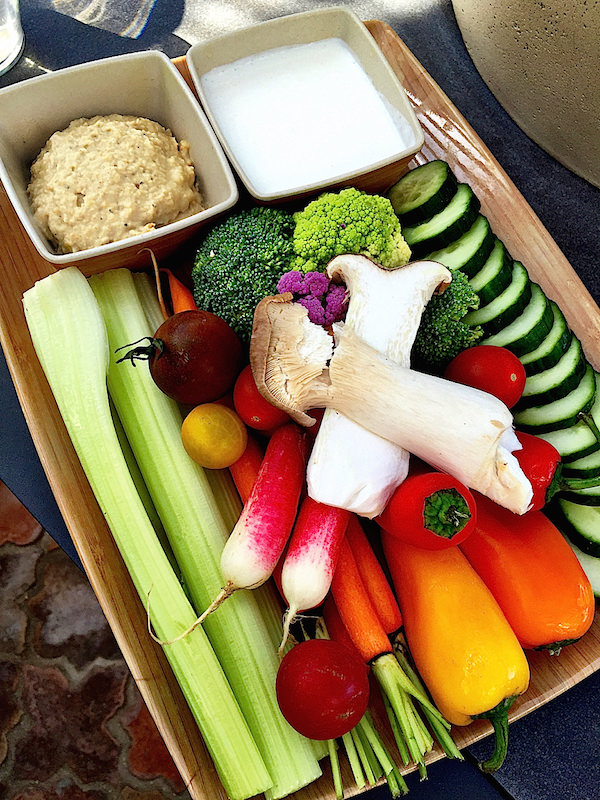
[
  {"x": 325, "y": 301},
  {"x": 349, "y": 221},
  {"x": 443, "y": 332},
  {"x": 240, "y": 261}
]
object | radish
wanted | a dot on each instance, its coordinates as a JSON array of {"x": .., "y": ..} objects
[
  {"x": 264, "y": 526},
  {"x": 311, "y": 557}
]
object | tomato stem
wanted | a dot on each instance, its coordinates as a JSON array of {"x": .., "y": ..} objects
[{"x": 143, "y": 352}]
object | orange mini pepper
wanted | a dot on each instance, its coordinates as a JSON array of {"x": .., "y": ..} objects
[
  {"x": 533, "y": 574},
  {"x": 461, "y": 642}
]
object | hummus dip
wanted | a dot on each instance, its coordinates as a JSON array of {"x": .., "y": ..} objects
[{"x": 106, "y": 178}]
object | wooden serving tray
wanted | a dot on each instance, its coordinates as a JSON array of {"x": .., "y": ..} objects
[{"x": 447, "y": 136}]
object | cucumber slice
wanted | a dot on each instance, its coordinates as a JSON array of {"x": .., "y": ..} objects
[
  {"x": 423, "y": 192},
  {"x": 585, "y": 467},
  {"x": 584, "y": 497},
  {"x": 558, "y": 381},
  {"x": 469, "y": 252},
  {"x": 581, "y": 526},
  {"x": 529, "y": 329},
  {"x": 451, "y": 222},
  {"x": 551, "y": 349},
  {"x": 572, "y": 443},
  {"x": 590, "y": 565},
  {"x": 561, "y": 413},
  {"x": 494, "y": 275},
  {"x": 507, "y": 306}
]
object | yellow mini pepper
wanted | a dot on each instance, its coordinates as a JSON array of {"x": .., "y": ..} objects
[{"x": 461, "y": 642}]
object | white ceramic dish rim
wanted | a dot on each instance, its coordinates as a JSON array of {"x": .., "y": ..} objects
[
  {"x": 194, "y": 55},
  {"x": 140, "y": 240}
]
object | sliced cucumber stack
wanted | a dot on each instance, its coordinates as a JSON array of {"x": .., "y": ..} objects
[
  {"x": 549, "y": 350},
  {"x": 423, "y": 192},
  {"x": 506, "y": 306},
  {"x": 446, "y": 226},
  {"x": 470, "y": 251},
  {"x": 529, "y": 330},
  {"x": 557, "y": 381},
  {"x": 494, "y": 275}
]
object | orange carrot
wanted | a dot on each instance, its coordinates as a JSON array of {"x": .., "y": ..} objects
[
  {"x": 245, "y": 470},
  {"x": 373, "y": 577},
  {"x": 356, "y": 609},
  {"x": 181, "y": 297},
  {"x": 335, "y": 625}
]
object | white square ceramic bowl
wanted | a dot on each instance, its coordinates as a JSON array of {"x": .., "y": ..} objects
[
  {"x": 304, "y": 28},
  {"x": 147, "y": 84}
]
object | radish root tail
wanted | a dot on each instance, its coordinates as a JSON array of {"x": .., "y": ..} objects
[
  {"x": 225, "y": 592},
  {"x": 289, "y": 617}
]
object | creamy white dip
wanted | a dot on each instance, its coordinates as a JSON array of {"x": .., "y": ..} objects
[
  {"x": 107, "y": 178},
  {"x": 303, "y": 114}
]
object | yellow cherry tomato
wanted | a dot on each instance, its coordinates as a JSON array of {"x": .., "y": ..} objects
[{"x": 213, "y": 435}]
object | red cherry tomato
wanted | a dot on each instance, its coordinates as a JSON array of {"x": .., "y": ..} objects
[
  {"x": 493, "y": 369},
  {"x": 252, "y": 407},
  {"x": 431, "y": 510},
  {"x": 322, "y": 688}
]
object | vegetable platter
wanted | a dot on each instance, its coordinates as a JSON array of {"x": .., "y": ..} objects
[{"x": 447, "y": 136}]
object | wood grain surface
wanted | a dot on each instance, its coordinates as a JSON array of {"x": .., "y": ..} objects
[{"x": 447, "y": 136}]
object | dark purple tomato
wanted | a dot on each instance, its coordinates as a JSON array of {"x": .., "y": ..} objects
[
  {"x": 194, "y": 357},
  {"x": 322, "y": 688}
]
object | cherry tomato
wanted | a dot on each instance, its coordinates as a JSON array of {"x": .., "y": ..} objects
[
  {"x": 431, "y": 510},
  {"x": 493, "y": 369},
  {"x": 252, "y": 407},
  {"x": 214, "y": 436},
  {"x": 194, "y": 357},
  {"x": 322, "y": 688}
]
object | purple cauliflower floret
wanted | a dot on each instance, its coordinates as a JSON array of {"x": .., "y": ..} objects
[
  {"x": 292, "y": 281},
  {"x": 316, "y": 312},
  {"x": 326, "y": 302},
  {"x": 336, "y": 304},
  {"x": 317, "y": 284}
]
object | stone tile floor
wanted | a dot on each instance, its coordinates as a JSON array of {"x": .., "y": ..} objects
[{"x": 72, "y": 724}]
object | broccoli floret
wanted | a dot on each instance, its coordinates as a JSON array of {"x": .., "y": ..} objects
[
  {"x": 240, "y": 261},
  {"x": 325, "y": 301},
  {"x": 443, "y": 332},
  {"x": 349, "y": 221}
]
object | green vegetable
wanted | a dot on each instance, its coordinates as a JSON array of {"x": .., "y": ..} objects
[
  {"x": 443, "y": 332},
  {"x": 58, "y": 309},
  {"x": 193, "y": 517},
  {"x": 349, "y": 221},
  {"x": 240, "y": 261}
]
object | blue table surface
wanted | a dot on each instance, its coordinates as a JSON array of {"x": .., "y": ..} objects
[{"x": 555, "y": 751}]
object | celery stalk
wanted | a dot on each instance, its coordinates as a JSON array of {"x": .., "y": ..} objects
[
  {"x": 197, "y": 532},
  {"x": 70, "y": 339}
]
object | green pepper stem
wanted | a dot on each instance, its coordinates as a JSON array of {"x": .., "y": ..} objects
[{"x": 445, "y": 512}]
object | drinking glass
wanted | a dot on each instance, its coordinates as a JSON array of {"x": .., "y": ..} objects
[{"x": 11, "y": 34}]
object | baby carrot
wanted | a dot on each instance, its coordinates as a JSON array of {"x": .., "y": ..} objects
[
  {"x": 181, "y": 297},
  {"x": 373, "y": 577},
  {"x": 356, "y": 609},
  {"x": 335, "y": 625}
]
